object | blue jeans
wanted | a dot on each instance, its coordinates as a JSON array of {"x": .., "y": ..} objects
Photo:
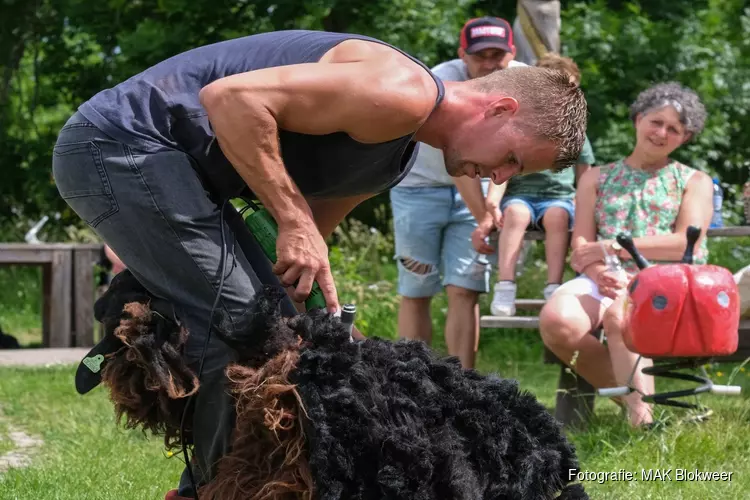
[
  {"x": 155, "y": 213},
  {"x": 433, "y": 227},
  {"x": 539, "y": 206}
]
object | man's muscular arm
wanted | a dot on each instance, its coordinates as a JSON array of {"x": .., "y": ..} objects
[{"x": 373, "y": 95}]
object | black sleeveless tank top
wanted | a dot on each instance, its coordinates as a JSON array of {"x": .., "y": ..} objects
[{"x": 159, "y": 110}]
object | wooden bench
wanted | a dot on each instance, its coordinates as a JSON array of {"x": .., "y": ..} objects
[
  {"x": 68, "y": 291},
  {"x": 575, "y": 397}
]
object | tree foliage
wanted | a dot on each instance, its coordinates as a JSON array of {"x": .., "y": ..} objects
[
  {"x": 55, "y": 54},
  {"x": 621, "y": 52}
]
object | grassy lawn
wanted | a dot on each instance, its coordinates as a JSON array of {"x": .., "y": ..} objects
[
  {"x": 6, "y": 444},
  {"x": 86, "y": 456},
  {"x": 609, "y": 445}
]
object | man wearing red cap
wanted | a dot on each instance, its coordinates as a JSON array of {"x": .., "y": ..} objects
[
  {"x": 435, "y": 214},
  {"x": 486, "y": 45}
]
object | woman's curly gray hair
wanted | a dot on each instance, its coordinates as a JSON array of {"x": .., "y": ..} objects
[{"x": 683, "y": 99}]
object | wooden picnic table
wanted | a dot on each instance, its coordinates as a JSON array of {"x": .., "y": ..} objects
[{"x": 67, "y": 287}]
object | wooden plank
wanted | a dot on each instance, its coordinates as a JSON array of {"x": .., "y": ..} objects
[
  {"x": 25, "y": 253},
  {"x": 39, "y": 246},
  {"x": 730, "y": 231},
  {"x": 530, "y": 304},
  {"x": 719, "y": 232},
  {"x": 83, "y": 295},
  {"x": 25, "y": 256},
  {"x": 533, "y": 322},
  {"x": 46, "y": 303},
  {"x": 61, "y": 300},
  {"x": 509, "y": 322},
  {"x": 535, "y": 235}
]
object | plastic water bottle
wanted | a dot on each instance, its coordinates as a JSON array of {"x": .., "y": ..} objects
[
  {"x": 716, "y": 220},
  {"x": 615, "y": 266}
]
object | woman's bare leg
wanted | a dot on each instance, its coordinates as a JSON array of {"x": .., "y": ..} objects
[
  {"x": 623, "y": 363},
  {"x": 565, "y": 324}
]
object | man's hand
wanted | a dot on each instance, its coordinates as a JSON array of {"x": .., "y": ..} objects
[
  {"x": 480, "y": 234},
  {"x": 302, "y": 254}
]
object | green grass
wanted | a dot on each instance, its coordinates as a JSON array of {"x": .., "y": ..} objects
[
  {"x": 6, "y": 444},
  {"x": 609, "y": 444},
  {"x": 85, "y": 455}
]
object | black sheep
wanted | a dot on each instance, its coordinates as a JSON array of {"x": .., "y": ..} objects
[{"x": 320, "y": 417}]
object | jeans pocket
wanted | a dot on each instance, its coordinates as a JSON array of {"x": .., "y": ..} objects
[{"x": 82, "y": 180}]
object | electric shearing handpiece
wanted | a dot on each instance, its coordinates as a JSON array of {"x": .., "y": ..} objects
[{"x": 266, "y": 231}]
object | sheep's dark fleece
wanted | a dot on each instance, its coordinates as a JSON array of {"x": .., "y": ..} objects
[
  {"x": 392, "y": 420},
  {"x": 147, "y": 377},
  {"x": 320, "y": 417}
]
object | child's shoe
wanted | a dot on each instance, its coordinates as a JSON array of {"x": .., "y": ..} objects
[{"x": 504, "y": 299}]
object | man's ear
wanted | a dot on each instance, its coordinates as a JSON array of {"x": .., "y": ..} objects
[
  {"x": 461, "y": 53},
  {"x": 502, "y": 107},
  {"x": 688, "y": 136}
]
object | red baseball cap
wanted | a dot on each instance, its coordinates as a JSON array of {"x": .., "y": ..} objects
[{"x": 486, "y": 33}]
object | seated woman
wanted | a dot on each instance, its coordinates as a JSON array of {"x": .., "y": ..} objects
[{"x": 654, "y": 198}]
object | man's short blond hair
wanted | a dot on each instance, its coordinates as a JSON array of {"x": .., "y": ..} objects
[
  {"x": 552, "y": 60},
  {"x": 550, "y": 106}
]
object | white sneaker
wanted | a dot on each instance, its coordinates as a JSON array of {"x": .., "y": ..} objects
[
  {"x": 550, "y": 289},
  {"x": 504, "y": 299}
]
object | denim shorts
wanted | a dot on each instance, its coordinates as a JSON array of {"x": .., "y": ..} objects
[
  {"x": 539, "y": 206},
  {"x": 433, "y": 226}
]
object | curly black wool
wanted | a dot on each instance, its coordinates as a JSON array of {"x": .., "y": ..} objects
[
  {"x": 392, "y": 420},
  {"x": 324, "y": 418},
  {"x": 261, "y": 333}
]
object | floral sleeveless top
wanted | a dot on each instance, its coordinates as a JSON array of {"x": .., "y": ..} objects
[{"x": 642, "y": 203}]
